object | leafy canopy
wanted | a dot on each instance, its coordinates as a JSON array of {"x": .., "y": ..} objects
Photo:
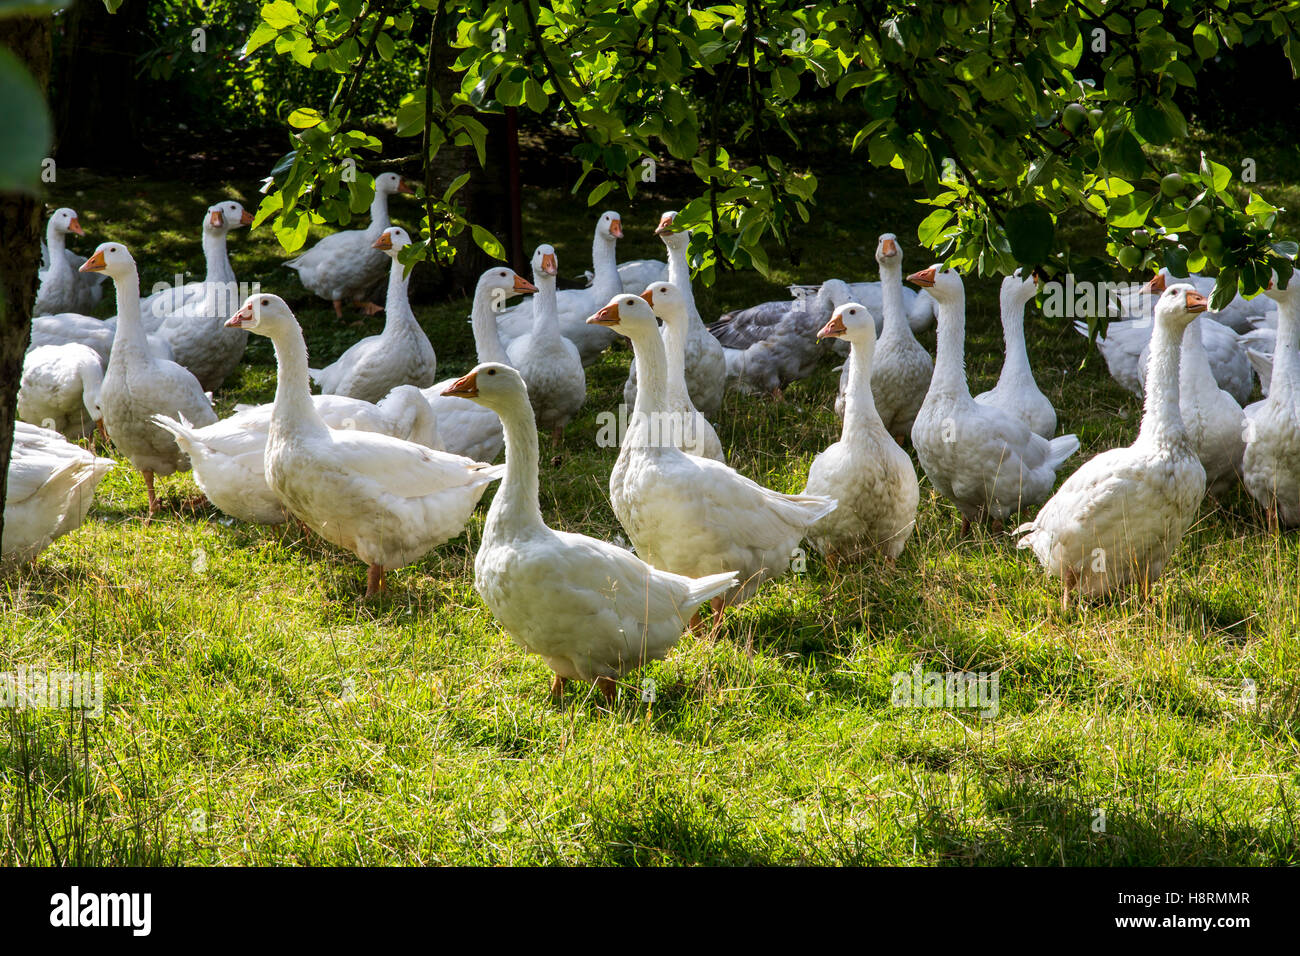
[{"x": 1008, "y": 114}]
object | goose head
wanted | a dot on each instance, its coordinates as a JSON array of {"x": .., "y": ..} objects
[
  {"x": 888, "y": 251},
  {"x": 65, "y": 221},
  {"x": 264, "y": 314},
  {"x": 609, "y": 226},
  {"x": 666, "y": 300},
  {"x": 389, "y": 183},
  {"x": 854, "y": 323},
  {"x": 1179, "y": 304},
  {"x": 112, "y": 259},
  {"x": 223, "y": 216},
  {"x": 491, "y": 385},
  {"x": 628, "y": 315},
  {"x": 1159, "y": 282},
  {"x": 1278, "y": 294},
  {"x": 1018, "y": 291},
  {"x": 545, "y": 263},
  {"x": 500, "y": 283},
  {"x": 392, "y": 241},
  {"x": 943, "y": 282},
  {"x": 667, "y": 230}
]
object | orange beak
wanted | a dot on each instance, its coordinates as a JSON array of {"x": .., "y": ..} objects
[
  {"x": 95, "y": 263},
  {"x": 889, "y": 248},
  {"x": 238, "y": 318},
  {"x": 616, "y": 228},
  {"x": 833, "y": 329},
  {"x": 464, "y": 387},
  {"x": 606, "y": 316},
  {"x": 1196, "y": 302},
  {"x": 548, "y": 264},
  {"x": 924, "y": 278},
  {"x": 385, "y": 241},
  {"x": 215, "y": 218},
  {"x": 75, "y": 227},
  {"x": 405, "y": 187},
  {"x": 665, "y": 225},
  {"x": 246, "y": 218},
  {"x": 1156, "y": 285},
  {"x": 649, "y": 296},
  {"x": 523, "y": 285}
]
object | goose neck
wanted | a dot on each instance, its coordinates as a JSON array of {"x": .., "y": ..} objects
[
  {"x": 379, "y": 220},
  {"x": 652, "y": 386},
  {"x": 894, "y": 319},
  {"x": 1162, "y": 421},
  {"x": 860, "y": 414},
  {"x": 604, "y": 267},
  {"x": 217, "y": 257},
  {"x": 487, "y": 337},
  {"x": 293, "y": 406},
  {"x": 1015, "y": 366},
  {"x": 950, "y": 351},
  {"x": 546, "y": 313},
  {"x": 515, "y": 508},
  {"x": 679, "y": 274},
  {"x": 1286, "y": 356},
  {"x": 129, "y": 337},
  {"x": 397, "y": 306},
  {"x": 674, "y": 338}
]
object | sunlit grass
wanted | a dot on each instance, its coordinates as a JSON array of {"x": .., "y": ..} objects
[{"x": 257, "y": 713}]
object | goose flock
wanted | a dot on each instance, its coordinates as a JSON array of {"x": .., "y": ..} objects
[{"x": 388, "y": 462}]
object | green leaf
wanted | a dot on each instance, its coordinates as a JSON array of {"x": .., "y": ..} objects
[
  {"x": 26, "y": 134},
  {"x": 487, "y": 242},
  {"x": 280, "y": 14},
  {"x": 1225, "y": 289},
  {"x": 1031, "y": 232},
  {"x": 305, "y": 118},
  {"x": 1130, "y": 211},
  {"x": 1205, "y": 41}
]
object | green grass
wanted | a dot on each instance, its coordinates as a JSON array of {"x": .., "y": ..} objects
[{"x": 257, "y": 714}]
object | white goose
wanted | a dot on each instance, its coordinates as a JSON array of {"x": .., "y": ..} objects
[
  {"x": 574, "y": 305},
  {"x": 1117, "y": 520},
  {"x": 690, "y": 515},
  {"x": 901, "y": 367},
  {"x": 1211, "y": 416},
  {"x": 703, "y": 355},
  {"x": 695, "y": 436},
  {"x": 1271, "y": 464},
  {"x": 918, "y": 307},
  {"x": 62, "y": 288},
  {"x": 466, "y": 428},
  {"x": 399, "y": 355},
  {"x": 387, "y": 501},
  {"x": 1016, "y": 392},
  {"x": 1239, "y": 314},
  {"x": 229, "y": 457},
  {"x": 138, "y": 385},
  {"x": 592, "y": 610},
  {"x": 60, "y": 389},
  {"x": 764, "y": 351},
  {"x": 49, "y": 488},
  {"x": 191, "y": 318},
  {"x": 1124, "y": 346},
  {"x": 987, "y": 463},
  {"x": 346, "y": 265},
  {"x": 865, "y": 471},
  {"x": 548, "y": 362}
]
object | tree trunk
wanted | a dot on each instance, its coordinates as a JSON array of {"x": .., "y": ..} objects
[{"x": 28, "y": 38}]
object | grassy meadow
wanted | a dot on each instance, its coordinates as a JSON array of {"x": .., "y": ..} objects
[{"x": 256, "y": 713}]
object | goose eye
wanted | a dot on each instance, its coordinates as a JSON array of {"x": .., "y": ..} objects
[
  {"x": 265, "y": 302},
  {"x": 492, "y": 371}
]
